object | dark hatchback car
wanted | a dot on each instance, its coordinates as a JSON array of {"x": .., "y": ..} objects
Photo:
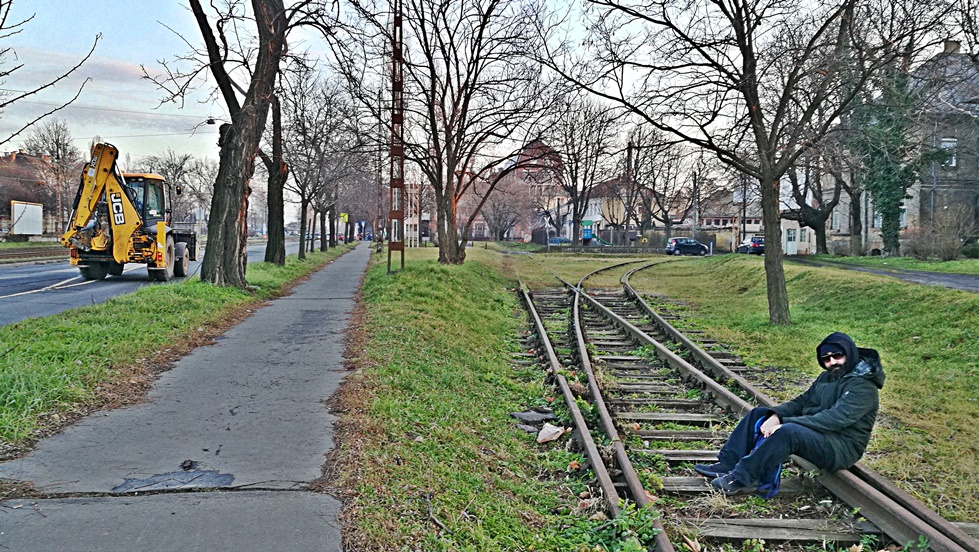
[
  {"x": 755, "y": 246},
  {"x": 685, "y": 246}
]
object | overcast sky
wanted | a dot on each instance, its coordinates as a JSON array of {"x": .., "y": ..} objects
[{"x": 117, "y": 104}]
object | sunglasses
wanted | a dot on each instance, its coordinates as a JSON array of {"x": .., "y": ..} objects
[{"x": 832, "y": 356}]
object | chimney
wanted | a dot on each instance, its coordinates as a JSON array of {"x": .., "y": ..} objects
[{"x": 952, "y": 46}]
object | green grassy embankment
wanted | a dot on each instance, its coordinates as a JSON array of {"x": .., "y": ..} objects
[
  {"x": 56, "y": 368},
  {"x": 428, "y": 450}
]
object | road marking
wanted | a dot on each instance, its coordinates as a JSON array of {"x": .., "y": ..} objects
[{"x": 64, "y": 284}]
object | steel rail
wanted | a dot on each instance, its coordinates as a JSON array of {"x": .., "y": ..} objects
[
  {"x": 31, "y": 253},
  {"x": 897, "y": 514},
  {"x": 594, "y": 457},
  {"x": 636, "y": 489}
]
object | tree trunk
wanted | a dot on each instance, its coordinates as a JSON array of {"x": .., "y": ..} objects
[
  {"x": 333, "y": 226},
  {"x": 856, "y": 224},
  {"x": 312, "y": 231},
  {"x": 303, "y": 227},
  {"x": 450, "y": 250},
  {"x": 224, "y": 259},
  {"x": 820, "y": 230},
  {"x": 778, "y": 296},
  {"x": 275, "y": 248},
  {"x": 323, "y": 232}
]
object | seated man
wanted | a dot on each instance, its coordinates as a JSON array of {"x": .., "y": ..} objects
[{"x": 828, "y": 425}]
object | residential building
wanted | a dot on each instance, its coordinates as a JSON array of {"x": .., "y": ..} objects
[{"x": 949, "y": 86}]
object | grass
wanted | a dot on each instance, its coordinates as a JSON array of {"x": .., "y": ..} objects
[
  {"x": 55, "y": 368},
  {"x": 429, "y": 458},
  {"x": 432, "y": 456},
  {"x": 961, "y": 266},
  {"x": 926, "y": 438}
]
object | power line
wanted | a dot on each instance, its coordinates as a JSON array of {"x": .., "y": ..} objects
[
  {"x": 98, "y": 108},
  {"x": 189, "y": 132}
]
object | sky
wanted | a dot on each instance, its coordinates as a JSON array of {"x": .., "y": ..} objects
[{"x": 117, "y": 104}]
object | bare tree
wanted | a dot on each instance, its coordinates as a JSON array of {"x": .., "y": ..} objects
[
  {"x": 278, "y": 173},
  {"x": 737, "y": 72},
  {"x": 967, "y": 15},
  {"x": 509, "y": 204},
  {"x": 584, "y": 135},
  {"x": 319, "y": 140},
  {"x": 174, "y": 168},
  {"x": 8, "y": 29},
  {"x": 244, "y": 65},
  {"x": 814, "y": 201},
  {"x": 199, "y": 189},
  {"x": 472, "y": 96},
  {"x": 659, "y": 168},
  {"x": 53, "y": 139}
]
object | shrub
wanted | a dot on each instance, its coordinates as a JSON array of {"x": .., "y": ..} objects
[{"x": 971, "y": 251}]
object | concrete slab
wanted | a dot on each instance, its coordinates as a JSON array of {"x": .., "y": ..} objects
[
  {"x": 213, "y": 521},
  {"x": 250, "y": 407},
  {"x": 248, "y": 412}
]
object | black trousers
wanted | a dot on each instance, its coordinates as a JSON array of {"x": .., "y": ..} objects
[{"x": 749, "y": 466}]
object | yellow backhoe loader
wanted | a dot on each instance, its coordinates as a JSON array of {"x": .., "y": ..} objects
[{"x": 125, "y": 218}]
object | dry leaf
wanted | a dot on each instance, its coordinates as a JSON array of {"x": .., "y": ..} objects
[{"x": 573, "y": 465}]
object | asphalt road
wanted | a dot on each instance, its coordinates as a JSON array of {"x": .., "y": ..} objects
[{"x": 30, "y": 290}]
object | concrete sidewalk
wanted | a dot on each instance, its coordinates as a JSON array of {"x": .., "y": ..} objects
[{"x": 246, "y": 416}]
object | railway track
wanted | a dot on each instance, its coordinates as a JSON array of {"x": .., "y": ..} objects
[
  {"x": 665, "y": 399},
  {"x": 31, "y": 253}
]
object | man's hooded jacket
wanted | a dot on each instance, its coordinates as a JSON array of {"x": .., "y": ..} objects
[{"x": 841, "y": 404}]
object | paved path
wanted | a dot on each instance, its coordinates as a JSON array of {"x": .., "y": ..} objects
[
  {"x": 964, "y": 282},
  {"x": 245, "y": 416}
]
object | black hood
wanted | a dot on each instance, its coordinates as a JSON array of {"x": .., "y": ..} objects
[{"x": 844, "y": 342}]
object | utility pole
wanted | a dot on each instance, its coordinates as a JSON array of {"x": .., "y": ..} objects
[
  {"x": 696, "y": 202},
  {"x": 630, "y": 188},
  {"x": 396, "y": 241},
  {"x": 744, "y": 206}
]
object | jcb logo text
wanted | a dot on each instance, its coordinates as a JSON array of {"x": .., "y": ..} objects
[{"x": 118, "y": 217}]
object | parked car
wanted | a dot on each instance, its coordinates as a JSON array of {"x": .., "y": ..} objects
[
  {"x": 754, "y": 246},
  {"x": 559, "y": 241},
  {"x": 685, "y": 246}
]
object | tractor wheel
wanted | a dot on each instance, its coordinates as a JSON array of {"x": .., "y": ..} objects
[
  {"x": 96, "y": 270},
  {"x": 114, "y": 268},
  {"x": 182, "y": 261},
  {"x": 164, "y": 274}
]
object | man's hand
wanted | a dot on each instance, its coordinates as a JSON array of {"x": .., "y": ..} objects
[{"x": 770, "y": 426}]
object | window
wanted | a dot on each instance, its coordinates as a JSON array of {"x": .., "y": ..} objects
[
  {"x": 790, "y": 235},
  {"x": 835, "y": 224},
  {"x": 903, "y": 219},
  {"x": 950, "y": 145},
  {"x": 878, "y": 220},
  {"x": 802, "y": 234}
]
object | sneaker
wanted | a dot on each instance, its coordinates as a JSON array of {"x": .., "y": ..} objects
[
  {"x": 728, "y": 485},
  {"x": 711, "y": 470}
]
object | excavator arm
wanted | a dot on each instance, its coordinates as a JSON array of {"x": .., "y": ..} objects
[{"x": 95, "y": 227}]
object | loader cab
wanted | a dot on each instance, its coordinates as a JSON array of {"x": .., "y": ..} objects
[{"x": 148, "y": 193}]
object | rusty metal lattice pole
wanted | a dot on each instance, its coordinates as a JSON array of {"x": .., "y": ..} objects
[{"x": 396, "y": 239}]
